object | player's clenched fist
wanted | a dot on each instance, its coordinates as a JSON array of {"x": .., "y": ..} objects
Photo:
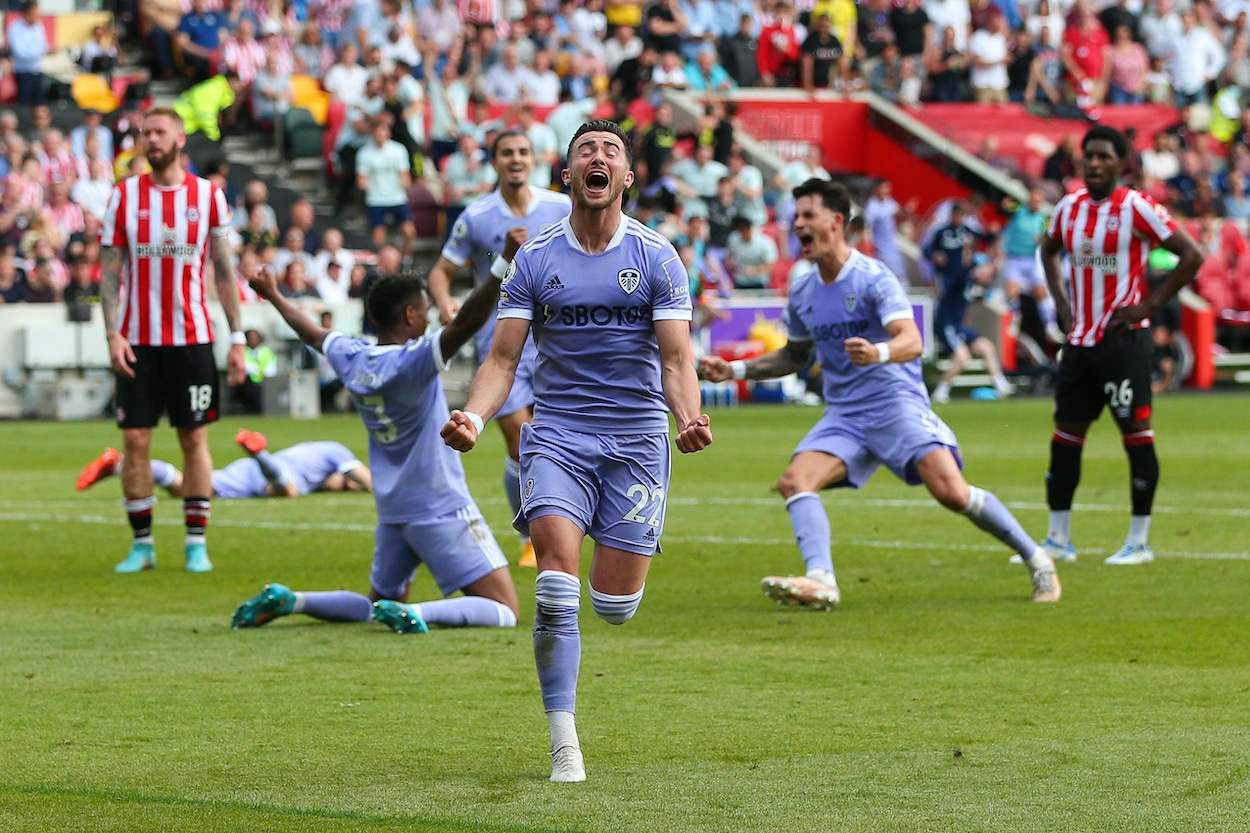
[
  {"x": 696, "y": 435},
  {"x": 861, "y": 351},
  {"x": 715, "y": 369},
  {"x": 514, "y": 241},
  {"x": 460, "y": 433},
  {"x": 264, "y": 282}
]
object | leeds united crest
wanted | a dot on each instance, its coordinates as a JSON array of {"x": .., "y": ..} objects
[{"x": 629, "y": 279}]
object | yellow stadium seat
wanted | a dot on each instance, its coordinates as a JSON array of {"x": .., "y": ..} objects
[
  {"x": 306, "y": 92},
  {"x": 92, "y": 92}
]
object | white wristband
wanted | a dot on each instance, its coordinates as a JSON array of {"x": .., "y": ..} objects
[
  {"x": 739, "y": 369},
  {"x": 883, "y": 352},
  {"x": 475, "y": 419},
  {"x": 237, "y": 337},
  {"x": 499, "y": 267}
]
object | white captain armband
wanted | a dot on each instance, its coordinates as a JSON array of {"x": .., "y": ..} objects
[
  {"x": 499, "y": 268},
  {"x": 475, "y": 419}
]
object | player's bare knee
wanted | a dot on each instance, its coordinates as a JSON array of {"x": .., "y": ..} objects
[
  {"x": 791, "y": 483},
  {"x": 136, "y": 440},
  {"x": 192, "y": 439},
  {"x": 615, "y": 610},
  {"x": 951, "y": 493}
]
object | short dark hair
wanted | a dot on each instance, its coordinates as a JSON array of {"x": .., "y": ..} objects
[
  {"x": 508, "y": 134},
  {"x": 391, "y": 294},
  {"x": 1105, "y": 133},
  {"x": 603, "y": 126},
  {"x": 833, "y": 194}
]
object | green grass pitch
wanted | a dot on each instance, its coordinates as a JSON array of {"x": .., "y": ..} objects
[{"x": 937, "y": 699}]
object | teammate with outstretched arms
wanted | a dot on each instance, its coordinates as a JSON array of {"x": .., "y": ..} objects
[
  {"x": 854, "y": 314},
  {"x": 488, "y": 234},
  {"x": 1107, "y": 232},
  {"x": 425, "y": 512},
  {"x": 608, "y": 302},
  {"x": 162, "y": 228}
]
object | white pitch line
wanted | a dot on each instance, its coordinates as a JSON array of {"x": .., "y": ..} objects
[
  {"x": 895, "y": 503},
  {"x": 25, "y": 517}
]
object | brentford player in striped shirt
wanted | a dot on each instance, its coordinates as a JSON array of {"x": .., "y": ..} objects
[
  {"x": 162, "y": 227},
  {"x": 1104, "y": 303}
]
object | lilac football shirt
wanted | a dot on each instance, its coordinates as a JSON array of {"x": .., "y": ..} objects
[
  {"x": 398, "y": 395},
  {"x": 478, "y": 236},
  {"x": 306, "y": 465},
  {"x": 862, "y": 300},
  {"x": 592, "y": 318}
]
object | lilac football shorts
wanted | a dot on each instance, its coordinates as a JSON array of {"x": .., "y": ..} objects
[
  {"x": 614, "y": 487},
  {"x": 522, "y": 393},
  {"x": 458, "y": 549},
  {"x": 895, "y": 436}
]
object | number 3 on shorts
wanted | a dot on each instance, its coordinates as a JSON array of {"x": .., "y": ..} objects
[
  {"x": 642, "y": 496},
  {"x": 201, "y": 397},
  {"x": 1119, "y": 396}
]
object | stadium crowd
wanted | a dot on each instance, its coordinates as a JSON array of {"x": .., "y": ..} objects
[{"x": 417, "y": 91}]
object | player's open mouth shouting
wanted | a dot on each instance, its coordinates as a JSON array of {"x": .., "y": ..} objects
[{"x": 597, "y": 183}]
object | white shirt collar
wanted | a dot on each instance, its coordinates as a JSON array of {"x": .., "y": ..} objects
[{"x": 617, "y": 237}]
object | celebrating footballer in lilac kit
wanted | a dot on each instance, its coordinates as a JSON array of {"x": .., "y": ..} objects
[
  {"x": 488, "y": 234},
  {"x": 853, "y": 313},
  {"x": 607, "y": 300},
  {"x": 425, "y": 512}
]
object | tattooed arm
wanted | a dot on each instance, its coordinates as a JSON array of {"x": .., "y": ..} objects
[
  {"x": 120, "y": 354},
  {"x": 228, "y": 294},
  {"x": 789, "y": 359}
]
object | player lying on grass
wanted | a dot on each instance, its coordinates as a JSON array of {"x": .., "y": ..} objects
[
  {"x": 292, "y": 472},
  {"x": 852, "y": 311},
  {"x": 425, "y": 512}
]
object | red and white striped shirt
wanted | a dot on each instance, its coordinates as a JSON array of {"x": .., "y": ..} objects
[
  {"x": 330, "y": 14},
  {"x": 1108, "y": 243},
  {"x": 245, "y": 57},
  {"x": 67, "y": 217},
  {"x": 165, "y": 232}
]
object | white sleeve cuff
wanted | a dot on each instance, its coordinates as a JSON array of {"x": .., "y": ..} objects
[
  {"x": 436, "y": 351},
  {"x": 517, "y": 312}
]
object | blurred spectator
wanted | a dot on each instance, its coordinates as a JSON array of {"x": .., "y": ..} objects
[
  {"x": 426, "y": 209},
  {"x": 700, "y": 29},
  {"x": 670, "y": 74},
  {"x": 1062, "y": 164},
  {"x": 81, "y": 293},
  {"x": 100, "y": 54},
  {"x": 823, "y": 56},
  {"x": 666, "y": 23},
  {"x": 950, "y": 14},
  {"x": 749, "y": 182},
  {"x": 1129, "y": 65},
  {"x": 271, "y": 90},
  {"x": 40, "y": 286},
  {"x": 201, "y": 107},
  {"x": 1118, "y": 14},
  {"x": 752, "y": 256},
  {"x": 1161, "y": 163},
  {"x": 779, "y": 49},
  {"x": 449, "y": 103},
  {"x": 881, "y": 221},
  {"x": 988, "y": 50},
  {"x": 235, "y": 12},
  {"x": 92, "y": 125},
  {"x": 243, "y": 53},
  {"x": 564, "y": 120},
  {"x": 623, "y": 45},
  {"x": 545, "y": 145},
  {"x": 1160, "y": 28},
  {"x": 353, "y": 135},
  {"x": 722, "y": 210},
  {"x": 27, "y": 41},
  {"x": 913, "y": 31},
  {"x": 698, "y": 178},
  {"x": 346, "y": 81},
  {"x": 656, "y": 146},
  {"x": 92, "y": 192},
  {"x": 313, "y": 56},
  {"x": 13, "y": 289},
  {"x": 738, "y": 53},
  {"x": 292, "y": 250},
  {"x": 255, "y": 233},
  {"x": 948, "y": 70},
  {"x": 875, "y": 34},
  {"x": 1084, "y": 54},
  {"x": 333, "y": 286},
  {"x": 40, "y": 122},
  {"x": 1197, "y": 59},
  {"x": 633, "y": 78},
  {"x": 295, "y": 283},
  {"x": 260, "y": 364},
  {"x": 198, "y": 38},
  {"x": 1236, "y": 199},
  {"x": 384, "y": 173},
  {"x": 466, "y": 176},
  {"x": 589, "y": 30},
  {"x": 1045, "y": 72},
  {"x": 62, "y": 213},
  {"x": 886, "y": 76},
  {"x": 705, "y": 74},
  {"x": 1045, "y": 16},
  {"x": 509, "y": 80},
  {"x": 543, "y": 88}
]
